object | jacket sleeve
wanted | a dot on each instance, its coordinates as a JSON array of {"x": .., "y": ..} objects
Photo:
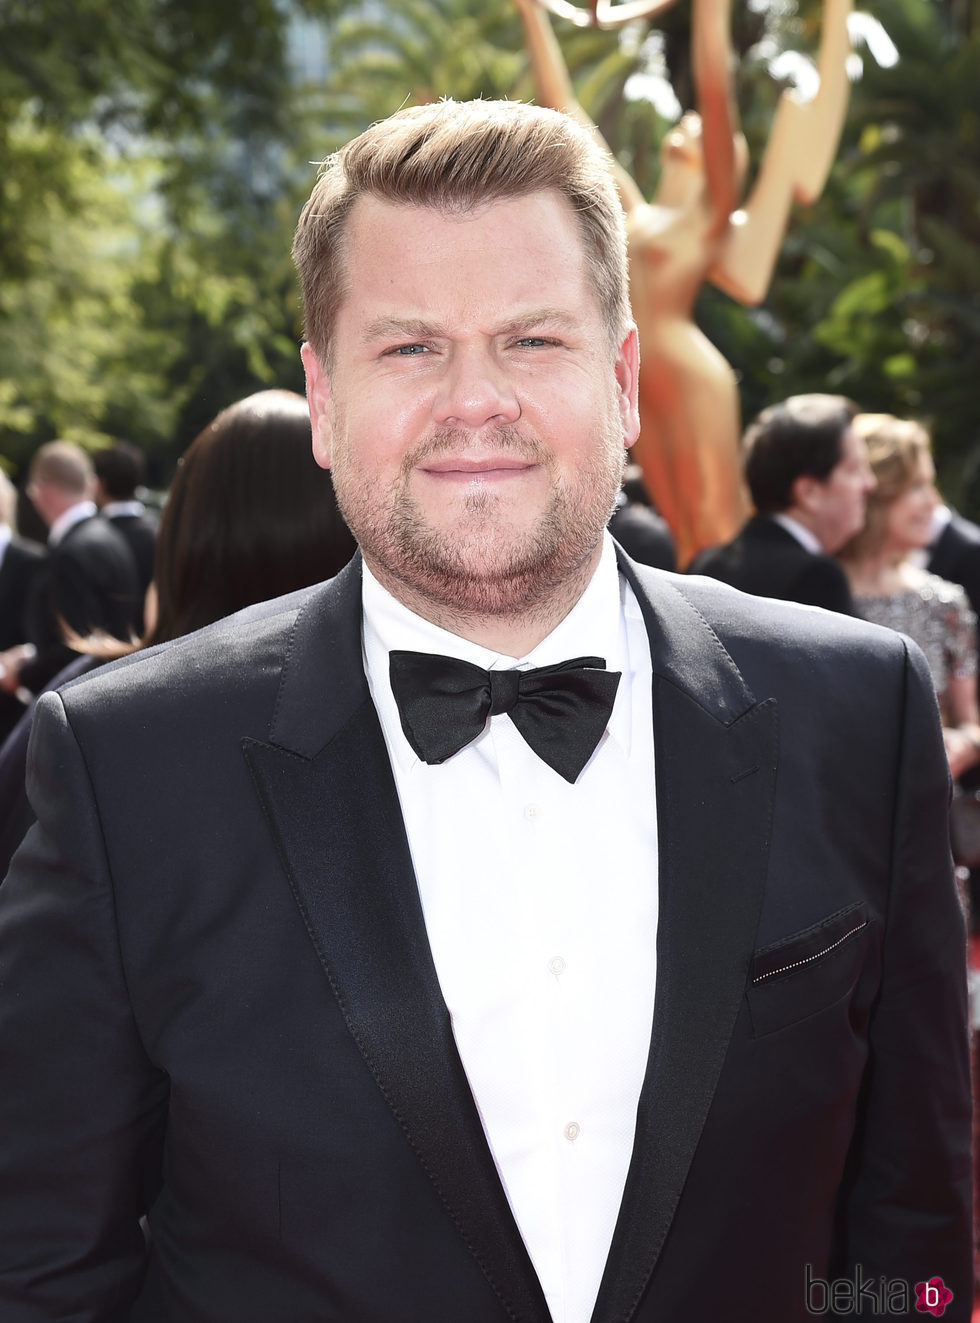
[
  {"x": 82, "y": 1109},
  {"x": 906, "y": 1201}
]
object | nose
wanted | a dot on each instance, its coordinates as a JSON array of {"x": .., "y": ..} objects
[{"x": 475, "y": 390}]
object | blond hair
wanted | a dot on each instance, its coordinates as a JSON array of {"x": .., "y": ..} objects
[
  {"x": 896, "y": 447},
  {"x": 454, "y": 156}
]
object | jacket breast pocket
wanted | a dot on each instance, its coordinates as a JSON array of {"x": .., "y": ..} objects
[{"x": 808, "y": 971}]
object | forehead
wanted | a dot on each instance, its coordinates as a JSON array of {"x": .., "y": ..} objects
[{"x": 526, "y": 250}]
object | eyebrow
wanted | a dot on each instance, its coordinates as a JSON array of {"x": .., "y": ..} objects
[
  {"x": 408, "y": 328},
  {"x": 416, "y": 328}
]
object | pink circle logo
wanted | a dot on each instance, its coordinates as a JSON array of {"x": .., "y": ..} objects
[{"x": 932, "y": 1297}]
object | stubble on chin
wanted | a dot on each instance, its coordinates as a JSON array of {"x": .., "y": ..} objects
[
  {"x": 484, "y": 564},
  {"x": 480, "y": 566}
]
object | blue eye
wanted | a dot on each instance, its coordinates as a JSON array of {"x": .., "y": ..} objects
[{"x": 409, "y": 351}]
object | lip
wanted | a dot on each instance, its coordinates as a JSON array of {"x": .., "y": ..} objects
[
  {"x": 483, "y": 464},
  {"x": 488, "y": 468}
]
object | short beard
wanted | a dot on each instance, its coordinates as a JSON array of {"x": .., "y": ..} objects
[{"x": 482, "y": 568}]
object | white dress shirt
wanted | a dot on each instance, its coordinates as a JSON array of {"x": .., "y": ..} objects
[
  {"x": 807, "y": 539},
  {"x": 540, "y": 903},
  {"x": 122, "y": 509}
]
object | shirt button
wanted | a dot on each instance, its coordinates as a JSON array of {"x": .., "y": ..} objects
[
  {"x": 530, "y": 810},
  {"x": 572, "y": 1130},
  {"x": 556, "y": 965}
]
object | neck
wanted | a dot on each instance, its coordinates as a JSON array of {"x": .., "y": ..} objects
[
  {"x": 881, "y": 573},
  {"x": 61, "y": 505},
  {"x": 802, "y": 518},
  {"x": 513, "y": 633}
]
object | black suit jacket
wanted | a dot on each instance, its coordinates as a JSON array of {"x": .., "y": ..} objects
[
  {"x": 218, "y": 1002},
  {"x": 766, "y": 560},
  {"x": 644, "y": 535},
  {"x": 21, "y": 563},
  {"x": 90, "y": 583},
  {"x": 956, "y": 556},
  {"x": 140, "y": 531}
]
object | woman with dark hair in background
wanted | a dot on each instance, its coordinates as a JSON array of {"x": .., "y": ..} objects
[{"x": 250, "y": 515}]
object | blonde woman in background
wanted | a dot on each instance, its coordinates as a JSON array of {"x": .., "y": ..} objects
[{"x": 890, "y": 589}]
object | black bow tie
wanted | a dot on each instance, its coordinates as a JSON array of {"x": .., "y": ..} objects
[{"x": 560, "y": 710}]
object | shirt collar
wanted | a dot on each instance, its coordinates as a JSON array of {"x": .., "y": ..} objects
[
  {"x": 117, "y": 509},
  {"x": 6, "y": 533},
  {"x": 802, "y": 534},
  {"x": 68, "y": 519},
  {"x": 595, "y": 626},
  {"x": 941, "y": 517}
]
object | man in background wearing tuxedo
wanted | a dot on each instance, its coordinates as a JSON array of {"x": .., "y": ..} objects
[
  {"x": 954, "y": 552},
  {"x": 89, "y": 582},
  {"x": 500, "y": 930},
  {"x": 20, "y": 562},
  {"x": 119, "y": 472},
  {"x": 807, "y": 471}
]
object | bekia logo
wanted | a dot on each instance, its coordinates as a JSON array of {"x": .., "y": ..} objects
[
  {"x": 932, "y": 1297},
  {"x": 884, "y": 1296}
]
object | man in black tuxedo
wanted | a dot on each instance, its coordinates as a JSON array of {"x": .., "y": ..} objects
[
  {"x": 807, "y": 471},
  {"x": 954, "y": 553},
  {"x": 20, "y": 561},
  {"x": 119, "y": 472},
  {"x": 501, "y": 929},
  {"x": 89, "y": 582}
]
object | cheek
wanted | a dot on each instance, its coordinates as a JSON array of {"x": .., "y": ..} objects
[{"x": 364, "y": 441}]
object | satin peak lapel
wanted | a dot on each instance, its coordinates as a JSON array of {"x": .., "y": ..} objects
[
  {"x": 328, "y": 794},
  {"x": 716, "y": 750}
]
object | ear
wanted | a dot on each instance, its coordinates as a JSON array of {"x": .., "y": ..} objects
[
  {"x": 628, "y": 386},
  {"x": 318, "y": 399},
  {"x": 805, "y": 491}
]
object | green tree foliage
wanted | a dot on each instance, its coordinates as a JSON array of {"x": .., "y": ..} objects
[
  {"x": 387, "y": 56},
  {"x": 146, "y": 150},
  {"x": 75, "y": 346},
  {"x": 905, "y": 325}
]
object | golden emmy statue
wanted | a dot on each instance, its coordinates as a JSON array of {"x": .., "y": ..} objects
[{"x": 694, "y": 230}]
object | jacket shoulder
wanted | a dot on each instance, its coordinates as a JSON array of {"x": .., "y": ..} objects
[
  {"x": 743, "y": 619},
  {"x": 24, "y": 550},
  {"x": 237, "y": 656}
]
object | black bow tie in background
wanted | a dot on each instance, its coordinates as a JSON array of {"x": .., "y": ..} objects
[{"x": 561, "y": 711}]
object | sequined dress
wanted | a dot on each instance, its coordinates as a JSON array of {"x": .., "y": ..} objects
[{"x": 937, "y": 615}]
